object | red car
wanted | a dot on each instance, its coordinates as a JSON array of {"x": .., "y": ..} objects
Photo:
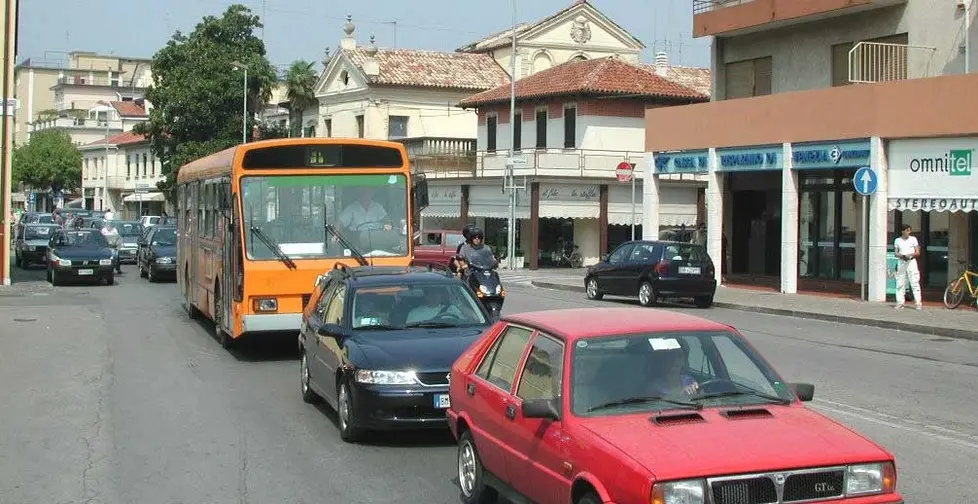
[
  {"x": 600, "y": 405},
  {"x": 436, "y": 246}
]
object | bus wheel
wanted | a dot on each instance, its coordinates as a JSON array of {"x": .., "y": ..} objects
[
  {"x": 226, "y": 340},
  {"x": 191, "y": 309}
]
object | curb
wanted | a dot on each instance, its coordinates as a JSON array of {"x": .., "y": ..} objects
[{"x": 825, "y": 317}]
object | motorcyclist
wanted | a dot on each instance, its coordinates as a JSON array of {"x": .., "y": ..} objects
[
  {"x": 453, "y": 263},
  {"x": 476, "y": 253}
]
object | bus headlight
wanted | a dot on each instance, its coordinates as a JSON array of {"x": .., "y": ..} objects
[{"x": 265, "y": 304}]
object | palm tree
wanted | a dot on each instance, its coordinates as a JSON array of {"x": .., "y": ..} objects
[{"x": 300, "y": 83}]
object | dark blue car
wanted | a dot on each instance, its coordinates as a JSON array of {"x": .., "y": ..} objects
[
  {"x": 377, "y": 343},
  {"x": 157, "y": 253}
]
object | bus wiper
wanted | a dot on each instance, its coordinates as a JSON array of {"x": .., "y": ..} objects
[
  {"x": 289, "y": 263},
  {"x": 331, "y": 230}
]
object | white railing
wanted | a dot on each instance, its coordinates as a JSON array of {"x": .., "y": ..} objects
[
  {"x": 556, "y": 163},
  {"x": 70, "y": 122},
  {"x": 871, "y": 62}
]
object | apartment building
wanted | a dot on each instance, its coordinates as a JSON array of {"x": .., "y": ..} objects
[
  {"x": 121, "y": 173},
  {"x": 807, "y": 93},
  {"x": 62, "y": 93}
]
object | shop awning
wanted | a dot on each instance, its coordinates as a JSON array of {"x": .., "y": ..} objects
[
  {"x": 145, "y": 198},
  {"x": 677, "y": 205},
  {"x": 442, "y": 210},
  {"x": 492, "y": 202}
]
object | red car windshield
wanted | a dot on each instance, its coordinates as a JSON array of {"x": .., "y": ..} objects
[{"x": 646, "y": 372}]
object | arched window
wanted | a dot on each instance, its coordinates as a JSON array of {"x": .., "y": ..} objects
[{"x": 579, "y": 57}]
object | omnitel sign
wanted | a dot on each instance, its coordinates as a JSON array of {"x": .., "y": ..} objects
[{"x": 956, "y": 162}]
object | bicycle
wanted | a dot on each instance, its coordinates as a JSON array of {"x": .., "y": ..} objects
[{"x": 954, "y": 293}]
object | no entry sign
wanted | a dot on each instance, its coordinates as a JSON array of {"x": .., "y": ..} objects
[{"x": 624, "y": 171}]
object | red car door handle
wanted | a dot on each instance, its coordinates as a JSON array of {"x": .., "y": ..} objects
[
  {"x": 511, "y": 411},
  {"x": 470, "y": 389}
]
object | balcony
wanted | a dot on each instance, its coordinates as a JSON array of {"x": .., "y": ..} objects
[
  {"x": 574, "y": 163},
  {"x": 438, "y": 155},
  {"x": 75, "y": 123},
  {"x": 736, "y": 17},
  {"x": 85, "y": 80},
  {"x": 872, "y": 62}
]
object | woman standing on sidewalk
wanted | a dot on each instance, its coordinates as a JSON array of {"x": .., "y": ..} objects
[{"x": 907, "y": 250}]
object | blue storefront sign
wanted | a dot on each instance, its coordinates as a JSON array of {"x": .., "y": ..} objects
[
  {"x": 682, "y": 162},
  {"x": 830, "y": 155},
  {"x": 750, "y": 159}
]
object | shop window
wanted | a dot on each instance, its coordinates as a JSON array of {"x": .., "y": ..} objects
[
  {"x": 492, "y": 132},
  {"x": 518, "y": 132},
  {"x": 541, "y": 129},
  {"x": 570, "y": 127},
  {"x": 748, "y": 78},
  {"x": 397, "y": 127}
]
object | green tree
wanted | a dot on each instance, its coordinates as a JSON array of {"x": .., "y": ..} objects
[
  {"x": 300, "y": 85},
  {"x": 48, "y": 161},
  {"x": 197, "y": 93},
  {"x": 268, "y": 131}
]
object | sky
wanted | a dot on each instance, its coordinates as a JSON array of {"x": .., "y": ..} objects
[{"x": 302, "y": 29}]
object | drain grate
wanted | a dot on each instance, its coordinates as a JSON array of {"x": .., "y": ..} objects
[
  {"x": 941, "y": 340},
  {"x": 25, "y": 320}
]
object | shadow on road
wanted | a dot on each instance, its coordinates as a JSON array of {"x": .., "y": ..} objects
[{"x": 397, "y": 439}]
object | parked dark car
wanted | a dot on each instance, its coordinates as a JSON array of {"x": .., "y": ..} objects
[
  {"x": 377, "y": 344},
  {"x": 653, "y": 270},
  {"x": 79, "y": 254},
  {"x": 31, "y": 244},
  {"x": 158, "y": 253}
]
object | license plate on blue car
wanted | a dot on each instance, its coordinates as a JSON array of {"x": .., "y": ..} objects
[{"x": 442, "y": 401}]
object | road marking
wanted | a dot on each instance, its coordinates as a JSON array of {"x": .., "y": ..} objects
[{"x": 954, "y": 437}]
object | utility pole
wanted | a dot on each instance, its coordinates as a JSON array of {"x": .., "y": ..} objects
[
  {"x": 7, "y": 135},
  {"x": 509, "y": 183},
  {"x": 105, "y": 165},
  {"x": 244, "y": 105}
]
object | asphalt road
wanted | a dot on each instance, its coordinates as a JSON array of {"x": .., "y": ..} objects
[{"x": 112, "y": 395}]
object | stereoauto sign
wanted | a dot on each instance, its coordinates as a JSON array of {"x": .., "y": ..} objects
[{"x": 932, "y": 174}]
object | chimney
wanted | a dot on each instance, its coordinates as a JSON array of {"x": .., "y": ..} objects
[
  {"x": 371, "y": 67},
  {"x": 661, "y": 63},
  {"x": 349, "y": 43}
]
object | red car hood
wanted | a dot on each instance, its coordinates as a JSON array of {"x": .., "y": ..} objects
[{"x": 793, "y": 437}]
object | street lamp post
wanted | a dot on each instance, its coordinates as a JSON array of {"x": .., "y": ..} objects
[
  {"x": 510, "y": 167},
  {"x": 244, "y": 101}
]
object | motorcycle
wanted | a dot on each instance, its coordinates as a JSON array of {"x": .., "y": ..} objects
[{"x": 486, "y": 284}]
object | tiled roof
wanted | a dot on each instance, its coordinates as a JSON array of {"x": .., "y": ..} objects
[
  {"x": 448, "y": 70},
  {"x": 505, "y": 37},
  {"x": 129, "y": 109},
  {"x": 697, "y": 79},
  {"x": 124, "y": 138},
  {"x": 602, "y": 76}
]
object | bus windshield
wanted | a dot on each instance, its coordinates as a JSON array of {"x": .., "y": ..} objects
[{"x": 369, "y": 211}]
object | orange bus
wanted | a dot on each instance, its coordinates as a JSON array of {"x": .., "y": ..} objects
[{"x": 259, "y": 222}]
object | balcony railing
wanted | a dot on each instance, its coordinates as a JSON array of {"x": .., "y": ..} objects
[
  {"x": 558, "y": 163},
  {"x": 701, "y": 6},
  {"x": 75, "y": 123},
  {"x": 441, "y": 155},
  {"x": 84, "y": 80},
  {"x": 871, "y": 62}
]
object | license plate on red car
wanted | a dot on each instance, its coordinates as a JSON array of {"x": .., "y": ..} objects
[{"x": 442, "y": 401}]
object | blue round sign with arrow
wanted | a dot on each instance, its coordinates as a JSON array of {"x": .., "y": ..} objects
[{"x": 865, "y": 181}]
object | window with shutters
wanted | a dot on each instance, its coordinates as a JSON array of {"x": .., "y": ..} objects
[
  {"x": 492, "y": 132},
  {"x": 542, "y": 129},
  {"x": 748, "y": 78},
  {"x": 518, "y": 132},
  {"x": 840, "y": 64},
  {"x": 570, "y": 126}
]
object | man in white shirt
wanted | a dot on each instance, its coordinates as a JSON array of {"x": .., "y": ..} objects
[
  {"x": 112, "y": 236},
  {"x": 361, "y": 212},
  {"x": 435, "y": 306},
  {"x": 109, "y": 215},
  {"x": 907, "y": 250}
]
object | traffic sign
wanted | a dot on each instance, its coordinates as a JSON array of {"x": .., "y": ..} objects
[
  {"x": 625, "y": 171},
  {"x": 865, "y": 181},
  {"x": 516, "y": 161}
]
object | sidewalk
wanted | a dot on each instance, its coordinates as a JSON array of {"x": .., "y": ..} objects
[{"x": 933, "y": 320}]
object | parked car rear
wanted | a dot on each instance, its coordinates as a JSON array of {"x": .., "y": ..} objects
[
  {"x": 652, "y": 270},
  {"x": 436, "y": 246}
]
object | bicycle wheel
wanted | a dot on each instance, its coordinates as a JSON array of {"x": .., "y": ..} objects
[{"x": 953, "y": 294}]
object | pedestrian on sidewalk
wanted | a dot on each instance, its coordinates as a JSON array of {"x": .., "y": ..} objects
[{"x": 906, "y": 249}]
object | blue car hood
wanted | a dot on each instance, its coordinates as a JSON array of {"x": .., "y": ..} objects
[
  {"x": 419, "y": 349},
  {"x": 84, "y": 254},
  {"x": 165, "y": 251}
]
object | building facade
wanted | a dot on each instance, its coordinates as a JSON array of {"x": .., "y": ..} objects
[
  {"x": 804, "y": 96},
  {"x": 121, "y": 173},
  {"x": 574, "y": 124}
]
